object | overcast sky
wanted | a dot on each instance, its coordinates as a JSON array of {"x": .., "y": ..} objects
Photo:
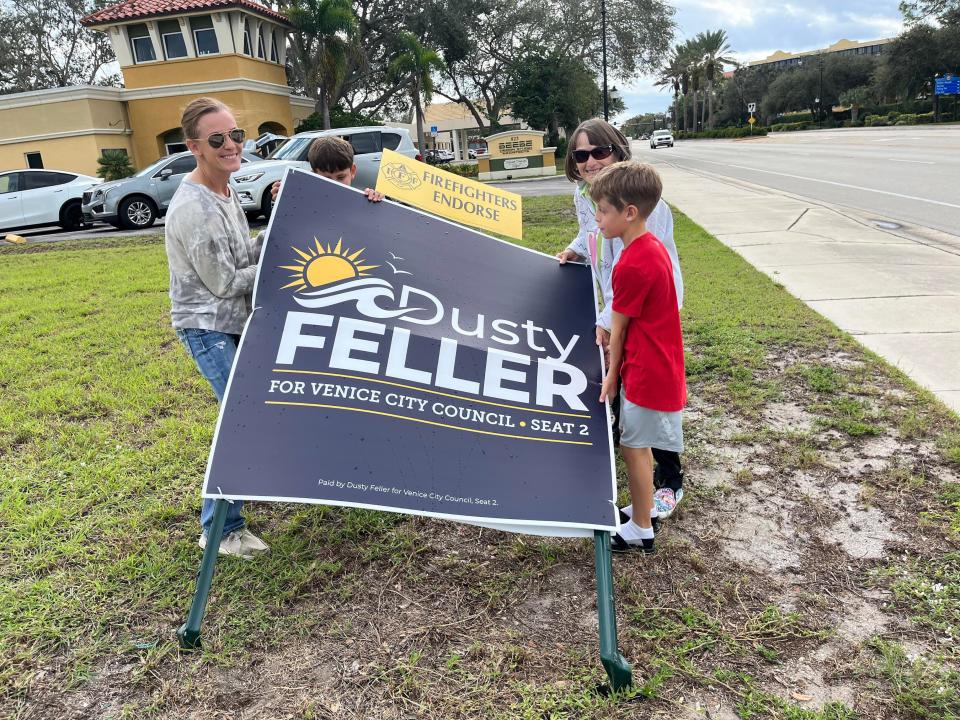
[{"x": 756, "y": 28}]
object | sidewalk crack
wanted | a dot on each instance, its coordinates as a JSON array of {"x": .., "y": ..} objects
[{"x": 798, "y": 219}]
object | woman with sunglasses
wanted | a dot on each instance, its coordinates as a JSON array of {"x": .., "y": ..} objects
[
  {"x": 213, "y": 264},
  {"x": 594, "y": 145}
]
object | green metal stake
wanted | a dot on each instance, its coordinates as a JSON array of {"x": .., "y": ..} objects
[
  {"x": 617, "y": 667},
  {"x": 189, "y": 632}
]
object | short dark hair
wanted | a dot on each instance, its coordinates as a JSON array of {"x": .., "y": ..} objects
[
  {"x": 628, "y": 183},
  {"x": 330, "y": 154},
  {"x": 598, "y": 132}
]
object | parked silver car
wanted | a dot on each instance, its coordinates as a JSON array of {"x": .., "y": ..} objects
[
  {"x": 137, "y": 201},
  {"x": 253, "y": 183}
]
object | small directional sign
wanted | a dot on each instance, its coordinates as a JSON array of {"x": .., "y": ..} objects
[
  {"x": 751, "y": 107},
  {"x": 752, "y": 120},
  {"x": 947, "y": 85}
]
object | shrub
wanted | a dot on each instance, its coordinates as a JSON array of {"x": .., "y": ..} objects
[
  {"x": 463, "y": 169},
  {"x": 925, "y": 117},
  {"x": 561, "y": 151},
  {"x": 114, "y": 165},
  {"x": 728, "y": 132}
]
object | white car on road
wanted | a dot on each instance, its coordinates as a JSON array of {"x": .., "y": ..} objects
[
  {"x": 661, "y": 137},
  {"x": 252, "y": 182},
  {"x": 33, "y": 198}
]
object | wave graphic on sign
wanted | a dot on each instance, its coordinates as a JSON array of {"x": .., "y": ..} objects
[{"x": 365, "y": 293}]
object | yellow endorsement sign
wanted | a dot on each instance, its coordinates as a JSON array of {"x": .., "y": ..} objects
[{"x": 448, "y": 195}]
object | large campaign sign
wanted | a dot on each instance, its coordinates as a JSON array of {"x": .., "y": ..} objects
[{"x": 401, "y": 362}]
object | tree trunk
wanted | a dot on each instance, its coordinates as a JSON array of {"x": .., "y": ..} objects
[
  {"x": 710, "y": 106},
  {"x": 854, "y": 113},
  {"x": 422, "y": 146},
  {"x": 324, "y": 108}
]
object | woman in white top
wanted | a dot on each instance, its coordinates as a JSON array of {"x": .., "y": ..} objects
[
  {"x": 594, "y": 145},
  {"x": 213, "y": 265}
]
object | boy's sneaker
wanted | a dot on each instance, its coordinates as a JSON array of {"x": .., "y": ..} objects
[
  {"x": 619, "y": 545},
  {"x": 240, "y": 543},
  {"x": 666, "y": 501}
]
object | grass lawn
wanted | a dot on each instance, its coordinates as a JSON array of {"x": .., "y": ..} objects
[{"x": 812, "y": 573}]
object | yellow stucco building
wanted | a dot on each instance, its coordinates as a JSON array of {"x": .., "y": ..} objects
[{"x": 170, "y": 52}]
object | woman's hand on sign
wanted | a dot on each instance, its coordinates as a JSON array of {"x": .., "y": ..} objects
[
  {"x": 603, "y": 341},
  {"x": 274, "y": 191},
  {"x": 568, "y": 255},
  {"x": 373, "y": 195}
]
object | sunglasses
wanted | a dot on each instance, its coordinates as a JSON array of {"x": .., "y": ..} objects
[
  {"x": 216, "y": 140},
  {"x": 601, "y": 152}
]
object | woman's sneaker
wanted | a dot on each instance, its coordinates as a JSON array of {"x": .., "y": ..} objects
[{"x": 666, "y": 501}]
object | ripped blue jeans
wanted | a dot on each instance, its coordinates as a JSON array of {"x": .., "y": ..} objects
[{"x": 214, "y": 352}]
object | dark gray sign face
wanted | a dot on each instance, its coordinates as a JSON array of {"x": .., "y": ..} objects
[{"x": 399, "y": 362}]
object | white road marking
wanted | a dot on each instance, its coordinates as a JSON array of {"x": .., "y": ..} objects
[
  {"x": 837, "y": 184},
  {"x": 918, "y": 162}
]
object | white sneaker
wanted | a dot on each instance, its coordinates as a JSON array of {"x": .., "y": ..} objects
[{"x": 240, "y": 543}]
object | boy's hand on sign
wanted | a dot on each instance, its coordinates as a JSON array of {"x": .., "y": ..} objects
[
  {"x": 568, "y": 255},
  {"x": 603, "y": 338},
  {"x": 608, "y": 391},
  {"x": 274, "y": 191},
  {"x": 373, "y": 195}
]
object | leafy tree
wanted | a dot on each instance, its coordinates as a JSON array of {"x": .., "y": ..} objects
[
  {"x": 323, "y": 39},
  {"x": 43, "y": 45},
  {"x": 671, "y": 77},
  {"x": 339, "y": 118},
  {"x": 553, "y": 93},
  {"x": 414, "y": 65},
  {"x": 799, "y": 88},
  {"x": 856, "y": 98},
  {"x": 916, "y": 57},
  {"x": 946, "y": 12},
  {"x": 748, "y": 85},
  {"x": 114, "y": 165}
]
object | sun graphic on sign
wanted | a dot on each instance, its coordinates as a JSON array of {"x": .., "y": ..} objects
[{"x": 321, "y": 265}]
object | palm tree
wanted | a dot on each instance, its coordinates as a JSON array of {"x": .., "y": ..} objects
[
  {"x": 414, "y": 64},
  {"x": 713, "y": 48},
  {"x": 323, "y": 38},
  {"x": 670, "y": 77}
]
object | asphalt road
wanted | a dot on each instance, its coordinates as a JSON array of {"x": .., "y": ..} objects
[{"x": 907, "y": 174}]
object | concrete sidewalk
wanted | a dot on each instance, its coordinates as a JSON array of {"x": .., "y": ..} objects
[{"x": 897, "y": 291}]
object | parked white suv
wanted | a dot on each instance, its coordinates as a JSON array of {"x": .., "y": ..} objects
[
  {"x": 33, "y": 198},
  {"x": 661, "y": 137},
  {"x": 252, "y": 182}
]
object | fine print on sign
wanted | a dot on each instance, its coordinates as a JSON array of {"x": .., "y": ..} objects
[
  {"x": 449, "y": 195},
  {"x": 947, "y": 85},
  {"x": 400, "y": 362}
]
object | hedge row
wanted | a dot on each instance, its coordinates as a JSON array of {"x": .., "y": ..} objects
[
  {"x": 791, "y": 126},
  {"x": 730, "y": 132},
  {"x": 896, "y": 118}
]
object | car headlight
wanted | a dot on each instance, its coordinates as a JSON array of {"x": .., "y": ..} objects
[{"x": 248, "y": 178}]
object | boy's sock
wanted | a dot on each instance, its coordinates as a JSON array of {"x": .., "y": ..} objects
[
  {"x": 627, "y": 510},
  {"x": 633, "y": 537}
]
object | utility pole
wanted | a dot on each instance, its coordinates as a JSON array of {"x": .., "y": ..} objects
[
  {"x": 603, "y": 30},
  {"x": 820, "y": 101}
]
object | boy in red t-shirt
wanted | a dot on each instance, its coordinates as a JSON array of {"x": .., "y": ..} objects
[{"x": 646, "y": 343}]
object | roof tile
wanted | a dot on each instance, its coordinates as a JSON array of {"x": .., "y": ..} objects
[{"x": 137, "y": 9}]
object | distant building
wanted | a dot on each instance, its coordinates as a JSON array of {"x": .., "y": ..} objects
[
  {"x": 457, "y": 129},
  {"x": 170, "y": 52},
  {"x": 783, "y": 60}
]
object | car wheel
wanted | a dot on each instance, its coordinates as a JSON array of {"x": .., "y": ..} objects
[
  {"x": 137, "y": 213},
  {"x": 266, "y": 205},
  {"x": 71, "y": 217}
]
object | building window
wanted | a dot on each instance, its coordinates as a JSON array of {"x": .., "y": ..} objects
[
  {"x": 260, "y": 53},
  {"x": 204, "y": 36},
  {"x": 141, "y": 44},
  {"x": 273, "y": 47},
  {"x": 34, "y": 160},
  {"x": 174, "y": 45},
  {"x": 247, "y": 48}
]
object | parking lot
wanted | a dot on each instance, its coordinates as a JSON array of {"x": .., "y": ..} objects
[{"x": 53, "y": 233}]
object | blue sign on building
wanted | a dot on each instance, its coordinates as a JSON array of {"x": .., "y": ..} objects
[{"x": 947, "y": 85}]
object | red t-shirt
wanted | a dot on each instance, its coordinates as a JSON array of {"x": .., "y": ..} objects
[{"x": 652, "y": 371}]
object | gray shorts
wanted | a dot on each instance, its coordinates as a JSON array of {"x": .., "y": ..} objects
[{"x": 642, "y": 427}]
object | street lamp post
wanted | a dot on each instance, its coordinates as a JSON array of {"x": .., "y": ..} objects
[{"x": 603, "y": 30}]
